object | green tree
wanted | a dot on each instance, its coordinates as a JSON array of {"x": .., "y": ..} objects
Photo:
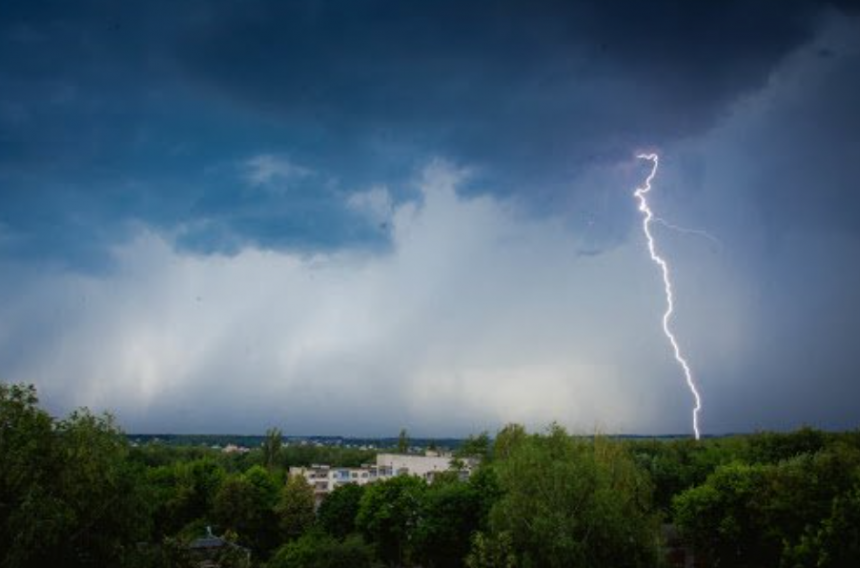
[
  {"x": 265, "y": 534},
  {"x": 750, "y": 515},
  {"x": 835, "y": 542},
  {"x": 338, "y": 511},
  {"x": 572, "y": 502},
  {"x": 722, "y": 519},
  {"x": 272, "y": 446},
  {"x": 169, "y": 552},
  {"x": 485, "y": 484},
  {"x": 677, "y": 465},
  {"x": 68, "y": 494},
  {"x": 774, "y": 447},
  {"x": 183, "y": 493},
  {"x": 451, "y": 512},
  {"x": 389, "y": 514},
  {"x": 508, "y": 439},
  {"x": 316, "y": 550},
  {"x": 296, "y": 508},
  {"x": 495, "y": 551},
  {"x": 246, "y": 505},
  {"x": 28, "y": 465},
  {"x": 475, "y": 447},
  {"x": 265, "y": 486},
  {"x": 403, "y": 441}
]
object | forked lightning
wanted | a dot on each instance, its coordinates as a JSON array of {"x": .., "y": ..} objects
[{"x": 647, "y": 219}]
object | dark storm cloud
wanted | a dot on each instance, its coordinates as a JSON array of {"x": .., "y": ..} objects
[
  {"x": 132, "y": 135},
  {"x": 776, "y": 182},
  {"x": 519, "y": 86},
  {"x": 113, "y": 111}
]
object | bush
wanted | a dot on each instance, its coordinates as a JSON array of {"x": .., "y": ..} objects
[{"x": 318, "y": 550}]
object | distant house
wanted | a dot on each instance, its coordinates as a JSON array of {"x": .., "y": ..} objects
[{"x": 212, "y": 551}]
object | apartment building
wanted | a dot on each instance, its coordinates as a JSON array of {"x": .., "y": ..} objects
[
  {"x": 324, "y": 479},
  {"x": 426, "y": 466}
]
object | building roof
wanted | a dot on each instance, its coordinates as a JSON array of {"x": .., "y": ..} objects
[
  {"x": 211, "y": 542},
  {"x": 208, "y": 542}
]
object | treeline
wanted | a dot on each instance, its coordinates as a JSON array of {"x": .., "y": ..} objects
[
  {"x": 158, "y": 454},
  {"x": 767, "y": 499},
  {"x": 253, "y": 441},
  {"x": 75, "y": 493}
]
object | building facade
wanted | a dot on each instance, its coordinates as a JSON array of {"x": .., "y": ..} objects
[{"x": 324, "y": 479}]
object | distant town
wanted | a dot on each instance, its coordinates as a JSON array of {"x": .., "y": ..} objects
[{"x": 244, "y": 443}]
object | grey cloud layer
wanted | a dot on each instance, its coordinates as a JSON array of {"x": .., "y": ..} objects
[
  {"x": 111, "y": 111},
  {"x": 479, "y": 311},
  {"x": 476, "y": 317}
]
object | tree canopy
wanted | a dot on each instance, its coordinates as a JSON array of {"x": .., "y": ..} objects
[{"x": 74, "y": 492}]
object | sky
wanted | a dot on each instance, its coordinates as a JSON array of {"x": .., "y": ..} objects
[{"x": 349, "y": 217}]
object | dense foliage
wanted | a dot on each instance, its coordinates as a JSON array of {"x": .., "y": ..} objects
[
  {"x": 574, "y": 502},
  {"x": 69, "y": 495},
  {"x": 75, "y": 492}
]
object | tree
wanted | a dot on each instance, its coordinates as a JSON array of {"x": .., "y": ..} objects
[
  {"x": 28, "y": 465},
  {"x": 722, "y": 519},
  {"x": 338, "y": 511},
  {"x": 508, "y": 439},
  {"x": 265, "y": 488},
  {"x": 677, "y": 465},
  {"x": 835, "y": 542},
  {"x": 403, "y": 441},
  {"x": 246, "y": 504},
  {"x": 68, "y": 494},
  {"x": 451, "y": 512},
  {"x": 773, "y": 447},
  {"x": 272, "y": 447},
  {"x": 182, "y": 493},
  {"x": 205, "y": 477},
  {"x": 485, "y": 484},
  {"x": 475, "y": 447},
  {"x": 572, "y": 502},
  {"x": 750, "y": 515},
  {"x": 388, "y": 515},
  {"x": 492, "y": 551},
  {"x": 317, "y": 550},
  {"x": 169, "y": 552},
  {"x": 101, "y": 487},
  {"x": 235, "y": 508},
  {"x": 296, "y": 508}
]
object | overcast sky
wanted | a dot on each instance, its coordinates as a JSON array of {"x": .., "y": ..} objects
[{"x": 348, "y": 217}]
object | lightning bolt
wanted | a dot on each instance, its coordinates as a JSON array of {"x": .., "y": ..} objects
[{"x": 647, "y": 219}]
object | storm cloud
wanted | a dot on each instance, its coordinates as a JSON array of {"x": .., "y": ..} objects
[{"x": 351, "y": 217}]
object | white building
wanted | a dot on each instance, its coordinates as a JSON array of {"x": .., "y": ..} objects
[
  {"x": 324, "y": 479},
  {"x": 426, "y": 466}
]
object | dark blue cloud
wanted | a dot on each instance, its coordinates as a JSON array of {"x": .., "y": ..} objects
[
  {"x": 113, "y": 113},
  {"x": 534, "y": 87}
]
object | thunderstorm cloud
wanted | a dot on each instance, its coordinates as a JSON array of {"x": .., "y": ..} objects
[{"x": 349, "y": 217}]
